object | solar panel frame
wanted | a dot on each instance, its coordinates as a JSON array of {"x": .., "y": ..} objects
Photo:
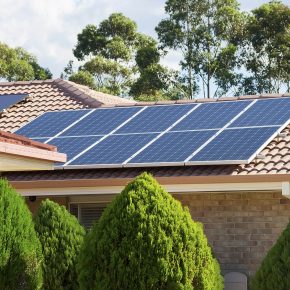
[
  {"x": 79, "y": 114},
  {"x": 9, "y": 100},
  {"x": 243, "y": 161},
  {"x": 94, "y": 150},
  {"x": 157, "y": 119},
  {"x": 265, "y": 112},
  {"x": 181, "y": 140},
  {"x": 208, "y": 115},
  {"x": 118, "y": 117},
  {"x": 186, "y": 162}
]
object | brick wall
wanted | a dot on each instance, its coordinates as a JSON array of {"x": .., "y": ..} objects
[{"x": 241, "y": 227}]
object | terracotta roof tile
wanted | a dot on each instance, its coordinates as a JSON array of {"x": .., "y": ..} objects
[{"x": 49, "y": 95}]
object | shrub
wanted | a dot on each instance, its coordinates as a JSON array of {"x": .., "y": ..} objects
[
  {"x": 20, "y": 250},
  {"x": 146, "y": 240},
  {"x": 275, "y": 268},
  {"x": 61, "y": 236}
]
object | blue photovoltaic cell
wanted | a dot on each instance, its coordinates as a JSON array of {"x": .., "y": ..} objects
[
  {"x": 72, "y": 146},
  {"x": 235, "y": 144},
  {"x": 115, "y": 149},
  {"x": 101, "y": 121},
  {"x": 7, "y": 101},
  {"x": 155, "y": 119},
  {"x": 51, "y": 123},
  {"x": 173, "y": 147},
  {"x": 264, "y": 113},
  {"x": 211, "y": 115}
]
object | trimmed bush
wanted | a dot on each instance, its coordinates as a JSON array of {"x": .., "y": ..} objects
[
  {"x": 275, "y": 268},
  {"x": 146, "y": 240},
  {"x": 20, "y": 250},
  {"x": 61, "y": 237}
]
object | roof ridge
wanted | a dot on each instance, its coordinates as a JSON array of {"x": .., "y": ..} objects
[
  {"x": 76, "y": 93},
  {"x": 21, "y": 83}
]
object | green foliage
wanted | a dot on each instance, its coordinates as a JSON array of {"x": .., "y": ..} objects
[
  {"x": 146, "y": 240},
  {"x": 16, "y": 64},
  {"x": 61, "y": 236},
  {"x": 83, "y": 78},
  {"x": 155, "y": 82},
  {"x": 202, "y": 31},
  {"x": 108, "y": 52},
  {"x": 266, "y": 53},
  {"x": 20, "y": 250},
  {"x": 274, "y": 270}
]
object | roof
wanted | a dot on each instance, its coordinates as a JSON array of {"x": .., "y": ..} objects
[
  {"x": 275, "y": 160},
  {"x": 50, "y": 95},
  {"x": 13, "y": 144}
]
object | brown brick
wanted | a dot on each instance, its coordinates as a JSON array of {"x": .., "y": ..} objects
[{"x": 241, "y": 227}]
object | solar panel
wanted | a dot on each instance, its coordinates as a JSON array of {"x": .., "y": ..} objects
[
  {"x": 73, "y": 145},
  {"x": 51, "y": 123},
  {"x": 264, "y": 113},
  {"x": 211, "y": 115},
  {"x": 234, "y": 145},
  {"x": 114, "y": 150},
  {"x": 156, "y": 119},
  {"x": 7, "y": 101},
  {"x": 173, "y": 147},
  {"x": 101, "y": 121},
  {"x": 231, "y": 132}
]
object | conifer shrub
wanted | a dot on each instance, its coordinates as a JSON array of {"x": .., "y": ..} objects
[
  {"x": 145, "y": 240},
  {"x": 274, "y": 270},
  {"x": 20, "y": 250},
  {"x": 61, "y": 237}
]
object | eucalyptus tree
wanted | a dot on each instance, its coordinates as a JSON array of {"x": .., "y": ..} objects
[
  {"x": 202, "y": 31},
  {"x": 266, "y": 49},
  {"x": 108, "y": 51}
]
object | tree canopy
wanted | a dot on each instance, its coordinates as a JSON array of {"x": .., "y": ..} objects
[
  {"x": 202, "y": 32},
  {"x": 146, "y": 240},
  {"x": 108, "y": 52},
  {"x": 266, "y": 49},
  {"x": 16, "y": 64},
  {"x": 223, "y": 51}
]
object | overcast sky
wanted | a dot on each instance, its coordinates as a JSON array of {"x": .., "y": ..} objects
[{"x": 48, "y": 28}]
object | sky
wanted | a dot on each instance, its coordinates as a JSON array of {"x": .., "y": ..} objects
[{"x": 49, "y": 28}]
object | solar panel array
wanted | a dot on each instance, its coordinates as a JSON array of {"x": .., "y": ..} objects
[
  {"x": 7, "y": 101},
  {"x": 231, "y": 132}
]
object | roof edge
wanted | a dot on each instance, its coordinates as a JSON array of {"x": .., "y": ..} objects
[{"x": 77, "y": 94}]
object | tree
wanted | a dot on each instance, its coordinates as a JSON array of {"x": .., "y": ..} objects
[
  {"x": 153, "y": 79},
  {"x": 202, "y": 31},
  {"x": 266, "y": 53},
  {"x": 61, "y": 236},
  {"x": 274, "y": 270},
  {"x": 83, "y": 78},
  {"x": 108, "y": 52},
  {"x": 20, "y": 250},
  {"x": 146, "y": 240},
  {"x": 16, "y": 64}
]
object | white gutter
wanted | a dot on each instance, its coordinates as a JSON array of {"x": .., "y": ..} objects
[{"x": 283, "y": 187}]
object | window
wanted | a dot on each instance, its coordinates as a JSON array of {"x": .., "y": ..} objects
[{"x": 87, "y": 213}]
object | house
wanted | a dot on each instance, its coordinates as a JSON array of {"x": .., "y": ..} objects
[
  {"x": 18, "y": 153},
  {"x": 244, "y": 207}
]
